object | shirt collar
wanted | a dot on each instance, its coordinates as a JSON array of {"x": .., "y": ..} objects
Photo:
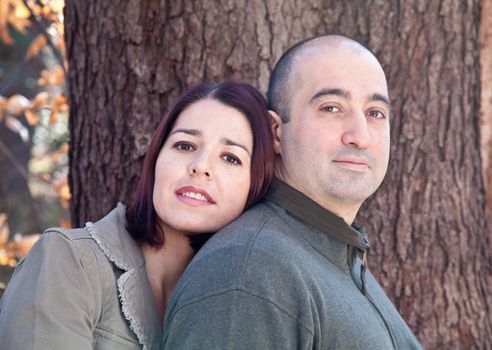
[{"x": 308, "y": 211}]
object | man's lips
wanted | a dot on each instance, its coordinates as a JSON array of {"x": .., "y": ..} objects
[
  {"x": 357, "y": 164},
  {"x": 192, "y": 194}
]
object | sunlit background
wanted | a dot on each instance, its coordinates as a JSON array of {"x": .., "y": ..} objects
[{"x": 34, "y": 193}]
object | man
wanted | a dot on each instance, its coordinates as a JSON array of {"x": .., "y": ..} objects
[{"x": 291, "y": 272}]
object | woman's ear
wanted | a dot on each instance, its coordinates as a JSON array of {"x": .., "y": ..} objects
[{"x": 276, "y": 123}]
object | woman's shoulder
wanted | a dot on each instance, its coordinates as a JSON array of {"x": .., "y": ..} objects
[
  {"x": 72, "y": 247},
  {"x": 68, "y": 254},
  {"x": 77, "y": 244},
  {"x": 71, "y": 238},
  {"x": 64, "y": 279},
  {"x": 88, "y": 238},
  {"x": 70, "y": 234}
]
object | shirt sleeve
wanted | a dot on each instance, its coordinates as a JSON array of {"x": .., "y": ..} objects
[
  {"x": 49, "y": 302},
  {"x": 234, "y": 319}
]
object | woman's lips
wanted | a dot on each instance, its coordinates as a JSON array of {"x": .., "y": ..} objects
[{"x": 194, "y": 195}]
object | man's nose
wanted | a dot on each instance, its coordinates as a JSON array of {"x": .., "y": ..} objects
[
  {"x": 201, "y": 165},
  {"x": 356, "y": 131}
]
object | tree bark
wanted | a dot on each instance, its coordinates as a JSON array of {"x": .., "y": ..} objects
[
  {"x": 130, "y": 59},
  {"x": 432, "y": 250},
  {"x": 486, "y": 100}
]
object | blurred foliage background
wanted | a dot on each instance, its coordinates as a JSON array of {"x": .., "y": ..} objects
[{"x": 34, "y": 193}]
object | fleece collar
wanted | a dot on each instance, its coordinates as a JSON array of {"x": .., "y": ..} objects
[{"x": 136, "y": 298}]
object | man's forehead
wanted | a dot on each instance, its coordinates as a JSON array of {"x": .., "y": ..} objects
[
  {"x": 329, "y": 45},
  {"x": 321, "y": 66}
]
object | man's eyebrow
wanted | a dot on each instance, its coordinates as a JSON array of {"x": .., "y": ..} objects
[
  {"x": 330, "y": 91},
  {"x": 346, "y": 94},
  {"x": 229, "y": 142},
  {"x": 381, "y": 98},
  {"x": 192, "y": 132}
]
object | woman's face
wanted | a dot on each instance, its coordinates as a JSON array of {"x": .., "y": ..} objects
[{"x": 202, "y": 174}]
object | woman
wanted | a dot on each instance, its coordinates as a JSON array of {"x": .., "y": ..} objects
[{"x": 106, "y": 286}]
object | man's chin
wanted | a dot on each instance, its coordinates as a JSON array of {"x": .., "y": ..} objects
[{"x": 353, "y": 192}]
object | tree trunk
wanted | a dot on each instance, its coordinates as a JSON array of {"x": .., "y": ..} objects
[
  {"x": 486, "y": 100},
  {"x": 433, "y": 251},
  {"x": 129, "y": 59}
]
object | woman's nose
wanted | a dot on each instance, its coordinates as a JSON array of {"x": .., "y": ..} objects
[
  {"x": 196, "y": 170},
  {"x": 201, "y": 166}
]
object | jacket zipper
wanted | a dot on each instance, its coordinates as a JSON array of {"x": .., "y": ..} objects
[{"x": 364, "y": 292}]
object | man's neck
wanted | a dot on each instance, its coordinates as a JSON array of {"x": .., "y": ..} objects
[
  {"x": 304, "y": 209},
  {"x": 347, "y": 210}
]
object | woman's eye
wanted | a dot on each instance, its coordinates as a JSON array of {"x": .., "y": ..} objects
[
  {"x": 376, "y": 114},
  {"x": 232, "y": 159},
  {"x": 330, "y": 109},
  {"x": 184, "y": 146}
]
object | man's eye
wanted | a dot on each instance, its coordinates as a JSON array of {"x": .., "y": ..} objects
[
  {"x": 230, "y": 158},
  {"x": 376, "y": 114},
  {"x": 330, "y": 109},
  {"x": 184, "y": 146}
]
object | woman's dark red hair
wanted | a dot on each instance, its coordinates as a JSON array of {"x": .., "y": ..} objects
[{"x": 141, "y": 216}]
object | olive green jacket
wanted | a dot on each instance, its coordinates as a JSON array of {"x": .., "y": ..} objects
[{"x": 81, "y": 289}]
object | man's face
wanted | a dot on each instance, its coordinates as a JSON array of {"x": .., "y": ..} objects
[{"x": 335, "y": 148}]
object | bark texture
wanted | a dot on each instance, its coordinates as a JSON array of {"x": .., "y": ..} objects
[
  {"x": 431, "y": 251},
  {"x": 486, "y": 100}
]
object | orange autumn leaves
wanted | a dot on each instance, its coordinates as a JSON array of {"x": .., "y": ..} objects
[
  {"x": 44, "y": 17},
  {"x": 13, "y": 13},
  {"x": 18, "y": 14},
  {"x": 12, "y": 250}
]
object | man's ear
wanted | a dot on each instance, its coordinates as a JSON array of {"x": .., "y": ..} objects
[{"x": 276, "y": 123}]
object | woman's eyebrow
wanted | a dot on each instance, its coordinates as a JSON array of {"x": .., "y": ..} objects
[
  {"x": 229, "y": 142},
  {"x": 193, "y": 132}
]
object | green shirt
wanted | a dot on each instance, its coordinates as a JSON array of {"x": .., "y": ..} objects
[{"x": 270, "y": 280}]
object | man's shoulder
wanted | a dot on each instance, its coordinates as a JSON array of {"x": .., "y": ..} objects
[
  {"x": 252, "y": 220},
  {"x": 258, "y": 218},
  {"x": 259, "y": 228},
  {"x": 232, "y": 243},
  {"x": 253, "y": 249}
]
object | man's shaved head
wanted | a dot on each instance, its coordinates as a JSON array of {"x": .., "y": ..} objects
[{"x": 284, "y": 78}]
